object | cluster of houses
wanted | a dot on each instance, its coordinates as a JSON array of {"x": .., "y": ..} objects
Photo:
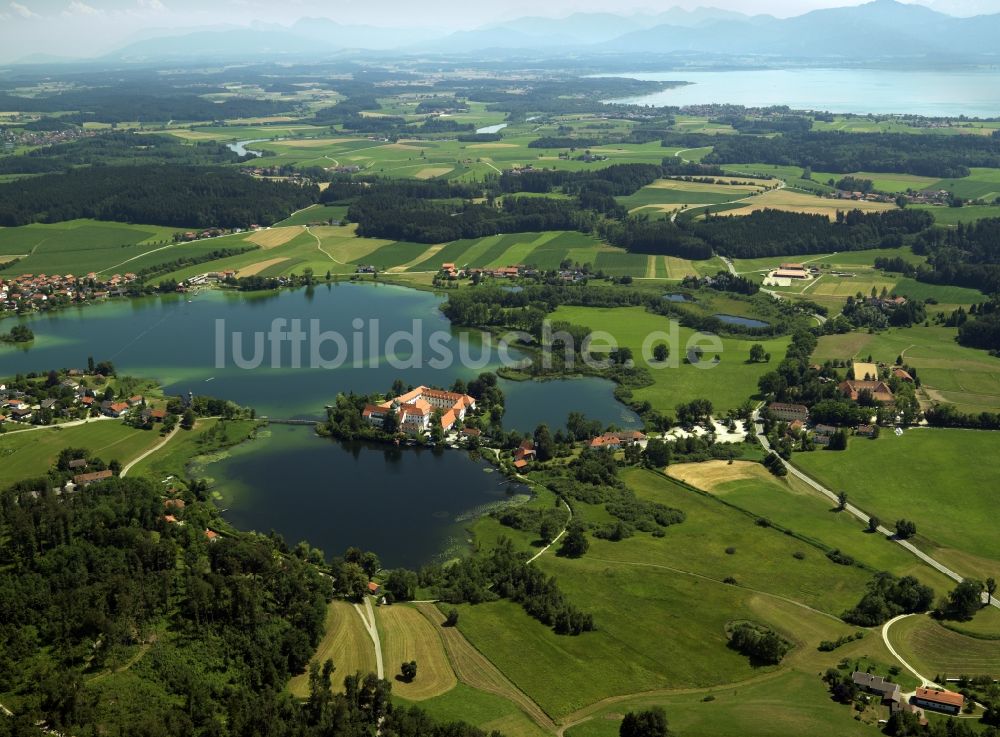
[
  {"x": 617, "y": 440},
  {"x": 415, "y": 410},
  {"x": 20, "y": 137},
  {"x": 934, "y": 699},
  {"x": 451, "y": 271},
  {"x": 863, "y": 384},
  {"x": 35, "y": 291},
  {"x": 17, "y": 406}
]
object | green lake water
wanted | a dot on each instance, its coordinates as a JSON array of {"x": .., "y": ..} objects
[{"x": 406, "y": 504}]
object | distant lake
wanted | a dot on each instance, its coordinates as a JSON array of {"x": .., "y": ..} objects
[{"x": 862, "y": 91}]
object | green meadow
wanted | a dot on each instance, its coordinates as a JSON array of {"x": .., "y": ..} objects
[
  {"x": 919, "y": 476},
  {"x": 728, "y": 384},
  {"x": 29, "y": 454},
  {"x": 795, "y": 506},
  {"x": 671, "y": 635}
]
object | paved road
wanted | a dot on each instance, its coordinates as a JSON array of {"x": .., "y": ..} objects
[
  {"x": 71, "y": 423},
  {"x": 148, "y": 453},
  {"x": 913, "y": 549},
  {"x": 369, "y": 621}
]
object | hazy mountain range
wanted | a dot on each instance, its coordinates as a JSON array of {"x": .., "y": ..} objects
[{"x": 880, "y": 30}]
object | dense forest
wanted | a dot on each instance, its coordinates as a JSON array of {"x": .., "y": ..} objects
[
  {"x": 179, "y": 196},
  {"x": 90, "y": 576},
  {"x": 117, "y": 148},
  {"x": 967, "y": 255},
  {"x": 778, "y": 233},
  {"x": 421, "y": 221},
  {"x": 109, "y": 105},
  {"x": 930, "y": 156}
]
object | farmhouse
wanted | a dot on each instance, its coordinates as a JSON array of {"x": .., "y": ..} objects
[
  {"x": 876, "y": 684},
  {"x": 788, "y": 412},
  {"x": 415, "y": 409},
  {"x": 902, "y": 375},
  {"x": 791, "y": 274},
  {"x": 525, "y": 452},
  {"x": 880, "y": 391},
  {"x": 948, "y": 702}
]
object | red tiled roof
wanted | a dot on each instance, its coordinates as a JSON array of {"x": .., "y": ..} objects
[
  {"x": 950, "y": 698},
  {"x": 86, "y": 478}
]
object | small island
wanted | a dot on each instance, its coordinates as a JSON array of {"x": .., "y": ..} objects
[{"x": 18, "y": 334}]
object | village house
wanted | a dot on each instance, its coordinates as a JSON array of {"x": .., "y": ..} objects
[
  {"x": 525, "y": 452},
  {"x": 617, "y": 440},
  {"x": 887, "y": 690},
  {"x": 948, "y": 702},
  {"x": 415, "y": 409},
  {"x": 788, "y": 412},
  {"x": 115, "y": 409}
]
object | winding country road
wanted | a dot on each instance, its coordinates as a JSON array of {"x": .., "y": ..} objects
[
  {"x": 128, "y": 466},
  {"x": 906, "y": 544}
]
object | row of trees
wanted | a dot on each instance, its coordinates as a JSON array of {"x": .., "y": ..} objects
[
  {"x": 778, "y": 233},
  {"x": 835, "y": 151}
]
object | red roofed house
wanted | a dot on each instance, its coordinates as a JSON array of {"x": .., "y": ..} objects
[
  {"x": 903, "y": 375},
  {"x": 880, "y": 391},
  {"x": 931, "y": 698},
  {"x": 373, "y": 588},
  {"x": 117, "y": 409},
  {"x": 616, "y": 440},
  {"x": 525, "y": 451},
  {"x": 521, "y": 464},
  {"x": 212, "y": 536}
]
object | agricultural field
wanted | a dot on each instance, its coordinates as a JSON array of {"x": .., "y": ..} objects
[
  {"x": 827, "y": 261},
  {"x": 793, "y": 505},
  {"x": 792, "y": 201},
  {"x": 316, "y": 213},
  {"x": 885, "y": 182},
  {"x": 915, "y": 476},
  {"x": 407, "y": 635},
  {"x": 486, "y": 710},
  {"x": 345, "y": 642},
  {"x": 980, "y": 184},
  {"x": 672, "y": 634},
  {"x": 934, "y": 649},
  {"x": 81, "y": 246},
  {"x": 965, "y": 214},
  {"x": 949, "y": 372},
  {"x": 792, "y": 703},
  {"x": 668, "y": 195},
  {"x": 30, "y": 453},
  {"x": 728, "y": 384}
]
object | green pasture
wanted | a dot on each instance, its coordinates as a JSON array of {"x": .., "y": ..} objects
[
  {"x": 81, "y": 246},
  {"x": 944, "y": 215},
  {"x": 29, "y": 454},
  {"x": 919, "y": 476},
  {"x": 728, "y": 384},
  {"x": 981, "y": 183}
]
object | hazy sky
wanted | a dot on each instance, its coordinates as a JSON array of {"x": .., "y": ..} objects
[{"x": 87, "y": 27}]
